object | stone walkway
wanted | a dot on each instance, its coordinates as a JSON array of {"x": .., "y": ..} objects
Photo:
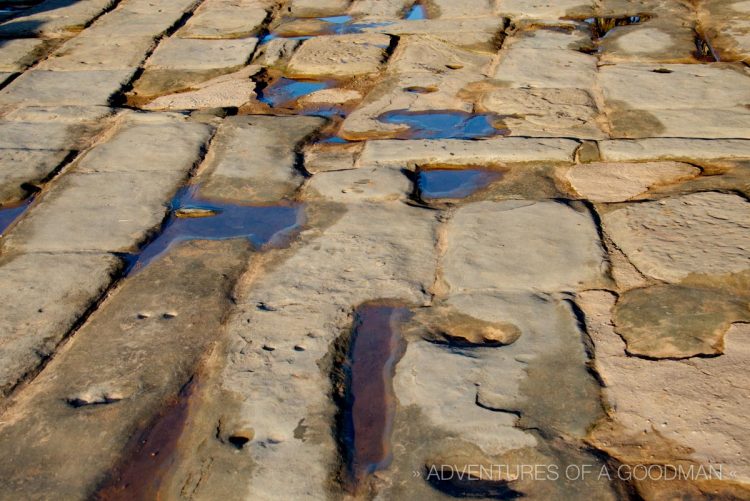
[{"x": 533, "y": 214}]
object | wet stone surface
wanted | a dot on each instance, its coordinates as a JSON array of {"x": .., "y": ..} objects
[{"x": 374, "y": 249}]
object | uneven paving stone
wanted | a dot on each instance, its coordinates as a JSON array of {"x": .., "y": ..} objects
[
  {"x": 568, "y": 35},
  {"x": 17, "y": 54},
  {"x": 322, "y": 157},
  {"x": 84, "y": 53},
  {"x": 147, "y": 135},
  {"x": 137, "y": 351},
  {"x": 338, "y": 56},
  {"x": 222, "y": 19},
  {"x": 666, "y": 42},
  {"x": 492, "y": 398},
  {"x": 392, "y": 153},
  {"x": 478, "y": 33},
  {"x": 55, "y": 88},
  {"x": 106, "y": 211},
  {"x": 542, "y": 9},
  {"x": 115, "y": 197},
  {"x": 31, "y": 135},
  {"x": 676, "y": 100},
  {"x": 681, "y": 321},
  {"x": 671, "y": 412},
  {"x": 543, "y": 112},
  {"x": 379, "y": 9},
  {"x": 232, "y": 90},
  {"x": 673, "y": 149},
  {"x": 374, "y": 184},
  {"x": 424, "y": 74},
  {"x": 181, "y": 63},
  {"x": 317, "y": 8},
  {"x": 54, "y": 18},
  {"x": 140, "y": 17},
  {"x": 726, "y": 25},
  {"x": 253, "y": 158},
  {"x": 43, "y": 295},
  {"x": 19, "y": 167},
  {"x": 519, "y": 244},
  {"x": 362, "y": 254},
  {"x": 445, "y": 9},
  {"x": 704, "y": 233},
  {"x": 617, "y": 182},
  {"x": 535, "y": 68}
]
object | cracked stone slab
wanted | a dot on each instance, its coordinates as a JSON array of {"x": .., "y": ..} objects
[
  {"x": 379, "y": 9},
  {"x": 338, "y": 56},
  {"x": 447, "y": 9},
  {"x": 573, "y": 36},
  {"x": 407, "y": 154},
  {"x": 140, "y": 347},
  {"x": 518, "y": 244},
  {"x": 704, "y": 233},
  {"x": 617, "y": 182},
  {"x": 55, "y": 88},
  {"x": 41, "y": 297},
  {"x": 253, "y": 158},
  {"x": 297, "y": 310},
  {"x": 702, "y": 413}
]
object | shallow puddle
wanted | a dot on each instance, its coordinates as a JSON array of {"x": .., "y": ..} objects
[
  {"x": 194, "y": 218},
  {"x": 9, "y": 214},
  {"x": 444, "y": 124},
  {"x": 416, "y": 13},
  {"x": 453, "y": 183},
  {"x": 285, "y": 91},
  {"x": 375, "y": 348}
]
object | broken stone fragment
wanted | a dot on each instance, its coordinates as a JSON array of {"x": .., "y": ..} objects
[{"x": 448, "y": 325}]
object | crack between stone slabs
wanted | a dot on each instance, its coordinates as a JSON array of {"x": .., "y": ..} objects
[
  {"x": 64, "y": 166},
  {"x": 118, "y": 277},
  {"x": 119, "y": 98}
]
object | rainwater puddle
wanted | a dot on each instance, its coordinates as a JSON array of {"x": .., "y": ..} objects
[
  {"x": 9, "y": 214},
  {"x": 453, "y": 183},
  {"x": 194, "y": 218},
  {"x": 375, "y": 348},
  {"x": 444, "y": 124},
  {"x": 285, "y": 91},
  {"x": 416, "y": 13}
]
